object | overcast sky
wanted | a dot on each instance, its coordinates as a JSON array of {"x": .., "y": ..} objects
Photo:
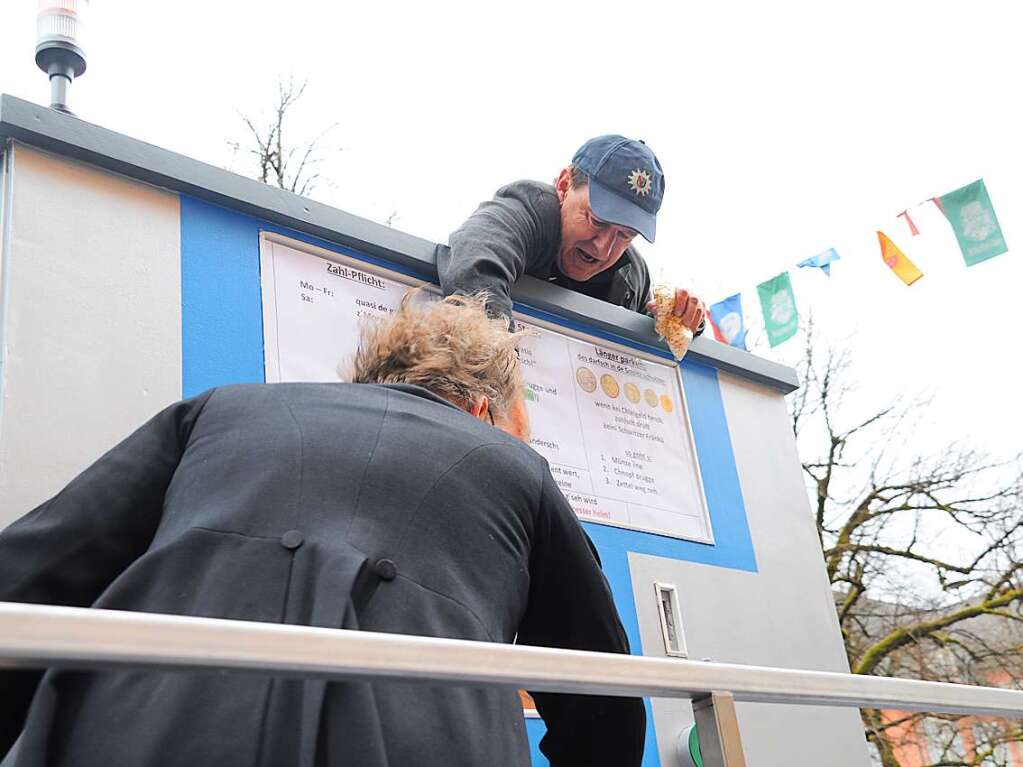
[{"x": 784, "y": 129}]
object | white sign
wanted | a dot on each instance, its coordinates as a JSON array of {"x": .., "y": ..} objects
[{"x": 611, "y": 422}]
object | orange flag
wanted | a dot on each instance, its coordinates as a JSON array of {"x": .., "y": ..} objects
[{"x": 904, "y": 269}]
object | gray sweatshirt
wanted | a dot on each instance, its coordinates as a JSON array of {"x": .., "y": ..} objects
[{"x": 519, "y": 232}]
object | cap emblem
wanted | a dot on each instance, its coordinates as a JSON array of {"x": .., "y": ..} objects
[{"x": 639, "y": 182}]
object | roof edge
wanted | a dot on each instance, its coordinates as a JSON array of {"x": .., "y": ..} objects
[{"x": 72, "y": 137}]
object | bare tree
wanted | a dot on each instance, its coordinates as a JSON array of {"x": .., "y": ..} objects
[
  {"x": 923, "y": 552},
  {"x": 294, "y": 167}
]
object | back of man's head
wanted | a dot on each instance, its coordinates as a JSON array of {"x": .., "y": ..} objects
[{"x": 450, "y": 347}]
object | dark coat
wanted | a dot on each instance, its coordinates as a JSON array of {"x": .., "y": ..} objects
[
  {"x": 336, "y": 505},
  {"x": 519, "y": 232}
]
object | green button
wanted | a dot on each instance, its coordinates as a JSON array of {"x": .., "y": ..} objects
[{"x": 694, "y": 747}]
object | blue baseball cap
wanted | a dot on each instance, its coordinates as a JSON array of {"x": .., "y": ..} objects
[{"x": 626, "y": 182}]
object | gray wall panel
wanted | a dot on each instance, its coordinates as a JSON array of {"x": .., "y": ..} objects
[
  {"x": 781, "y": 615},
  {"x": 93, "y": 286}
]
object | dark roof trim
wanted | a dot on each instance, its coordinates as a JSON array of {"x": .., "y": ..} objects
[{"x": 69, "y": 136}]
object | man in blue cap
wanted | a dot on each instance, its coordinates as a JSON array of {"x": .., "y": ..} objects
[{"x": 577, "y": 233}]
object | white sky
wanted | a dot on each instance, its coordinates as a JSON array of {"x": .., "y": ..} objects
[{"x": 784, "y": 129}]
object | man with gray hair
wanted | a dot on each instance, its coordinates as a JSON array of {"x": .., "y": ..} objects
[{"x": 387, "y": 504}]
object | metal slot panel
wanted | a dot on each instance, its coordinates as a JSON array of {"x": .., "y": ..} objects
[{"x": 671, "y": 620}]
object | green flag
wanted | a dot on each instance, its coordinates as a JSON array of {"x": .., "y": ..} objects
[
  {"x": 972, "y": 216},
  {"x": 778, "y": 304}
]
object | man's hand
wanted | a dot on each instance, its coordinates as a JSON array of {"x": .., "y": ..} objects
[{"x": 690, "y": 308}]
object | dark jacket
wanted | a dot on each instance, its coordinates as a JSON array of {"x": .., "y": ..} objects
[
  {"x": 335, "y": 505},
  {"x": 519, "y": 232}
]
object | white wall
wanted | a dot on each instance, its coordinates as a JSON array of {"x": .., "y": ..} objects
[
  {"x": 782, "y": 615},
  {"x": 90, "y": 320}
]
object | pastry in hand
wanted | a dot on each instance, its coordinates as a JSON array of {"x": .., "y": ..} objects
[{"x": 668, "y": 324}]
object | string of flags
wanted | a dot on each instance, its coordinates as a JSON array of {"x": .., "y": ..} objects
[{"x": 968, "y": 210}]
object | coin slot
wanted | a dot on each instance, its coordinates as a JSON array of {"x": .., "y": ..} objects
[{"x": 671, "y": 620}]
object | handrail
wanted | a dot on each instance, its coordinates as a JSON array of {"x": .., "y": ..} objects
[{"x": 41, "y": 636}]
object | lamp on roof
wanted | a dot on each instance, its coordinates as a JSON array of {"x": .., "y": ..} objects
[{"x": 59, "y": 50}]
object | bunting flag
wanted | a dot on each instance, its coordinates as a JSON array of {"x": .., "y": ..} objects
[
  {"x": 973, "y": 219},
  {"x": 821, "y": 260},
  {"x": 968, "y": 210},
  {"x": 718, "y": 335},
  {"x": 896, "y": 260},
  {"x": 912, "y": 227},
  {"x": 778, "y": 304},
  {"x": 726, "y": 317}
]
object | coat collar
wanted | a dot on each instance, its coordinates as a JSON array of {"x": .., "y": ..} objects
[{"x": 419, "y": 391}]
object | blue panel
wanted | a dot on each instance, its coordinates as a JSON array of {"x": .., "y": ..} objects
[
  {"x": 221, "y": 297},
  {"x": 535, "y": 731},
  {"x": 221, "y": 300},
  {"x": 732, "y": 544},
  {"x": 222, "y": 342}
]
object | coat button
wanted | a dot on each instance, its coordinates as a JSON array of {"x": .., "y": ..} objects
[
  {"x": 385, "y": 569},
  {"x": 292, "y": 539}
]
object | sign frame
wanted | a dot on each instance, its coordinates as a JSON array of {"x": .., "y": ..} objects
[{"x": 271, "y": 347}]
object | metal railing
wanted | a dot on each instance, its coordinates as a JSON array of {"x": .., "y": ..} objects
[{"x": 46, "y": 636}]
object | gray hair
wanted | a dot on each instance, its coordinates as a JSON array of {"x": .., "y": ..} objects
[{"x": 450, "y": 347}]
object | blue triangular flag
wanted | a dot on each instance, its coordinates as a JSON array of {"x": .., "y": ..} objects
[
  {"x": 729, "y": 326},
  {"x": 821, "y": 260}
]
